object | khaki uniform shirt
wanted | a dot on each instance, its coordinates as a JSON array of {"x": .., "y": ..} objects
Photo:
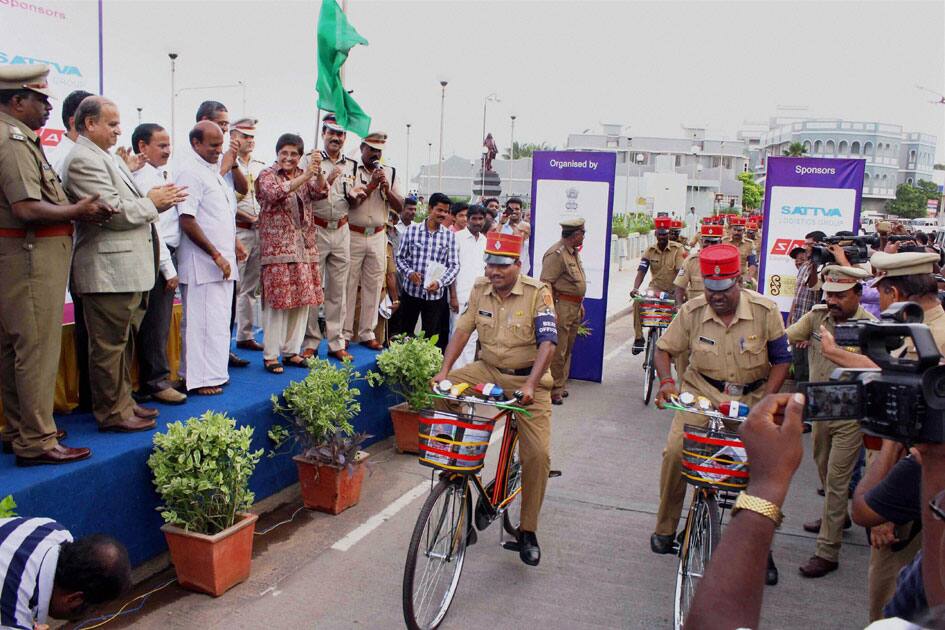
[
  {"x": 373, "y": 211},
  {"x": 735, "y": 354},
  {"x": 690, "y": 277},
  {"x": 562, "y": 270},
  {"x": 664, "y": 265},
  {"x": 746, "y": 248},
  {"x": 935, "y": 319},
  {"x": 248, "y": 203},
  {"x": 807, "y": 328},
  {"x": 507, "y": 328},
  {"x": 25, "y": 173},
  {"x": 335, "y": 206}
]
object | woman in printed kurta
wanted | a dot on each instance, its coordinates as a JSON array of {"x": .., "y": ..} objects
[{"x": 291, "y": 282}]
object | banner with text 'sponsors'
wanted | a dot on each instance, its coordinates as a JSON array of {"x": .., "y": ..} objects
[
  {"x": 803, "y": 195},
  {"x": 568, "y": 184}
]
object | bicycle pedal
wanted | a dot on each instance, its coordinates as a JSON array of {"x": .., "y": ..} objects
[
  {"x": 512, "y": 545},
  {"x": 554, "y": 473}
]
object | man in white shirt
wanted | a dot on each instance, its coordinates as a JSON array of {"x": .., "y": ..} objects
[
  {"x": 513, "y": 221},
  {"x": 247, "y": 216},
  {"x": 69, "y": 105},
  {"x": 471, "y": 245},
  {"x": 152, "y": 148},
  {"x": 206, "y": 262}
]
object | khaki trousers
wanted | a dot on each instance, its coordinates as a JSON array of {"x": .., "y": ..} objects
[
  {"x": 247, "y": 287},
  {"x": 836, "y": 446},
  {"x": 884, "y": 568},
  {"x": 568, "y": 317},
  {"x": 32, "y": 294},
  {"x": 112, "y": 320},
  {"x": 534, "y": 434},
  {"x": 368, "y": 267},
  {"x": 283, "y": 331},
  {"x": 334, "y": 260}
]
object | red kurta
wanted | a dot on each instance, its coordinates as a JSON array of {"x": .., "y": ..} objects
[{"x": 290, "y": 276}]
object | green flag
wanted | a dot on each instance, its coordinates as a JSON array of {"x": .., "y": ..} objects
[{"x": 336, "y": 37}]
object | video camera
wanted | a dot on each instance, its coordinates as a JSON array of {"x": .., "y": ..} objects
[
  {"x": 856, "y": 249},
  {"x": 903, "y": 399}
]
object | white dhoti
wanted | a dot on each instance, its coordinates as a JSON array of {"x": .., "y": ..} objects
[
  {"x": 468, "y": 355},
  {"x": 284, "y": 331},
  {"x": 205, "y": 331}
]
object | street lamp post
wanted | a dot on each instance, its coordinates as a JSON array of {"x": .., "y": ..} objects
[
  {"x": 426, "y": 189},
  {"x": 495, "y": 99},
  {"x": 511, "y": 154},
  {"x": 439, "y": 169},
  {"x": 139, "y": 115},
  {"x": 173, "y": 57},
  {"x": 407, "y": 165}
]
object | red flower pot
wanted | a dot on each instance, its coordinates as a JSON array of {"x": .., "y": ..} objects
[
  {"x": 329, "y": 488},
  {"x": 406, "y": 428}
]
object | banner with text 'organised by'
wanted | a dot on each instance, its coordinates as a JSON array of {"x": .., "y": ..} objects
[
  {"x": 803, "y": 195},
  {"x": 568, "y": 184}
]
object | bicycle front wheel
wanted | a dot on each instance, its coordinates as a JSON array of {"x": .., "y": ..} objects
[
  {"x": 436, "y": 554},
  {"x": 649, "y": 370},
  {"x": 699, "y": 541}
]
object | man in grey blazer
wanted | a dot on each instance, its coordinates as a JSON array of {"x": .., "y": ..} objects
[{"x": 114, "y": 264}]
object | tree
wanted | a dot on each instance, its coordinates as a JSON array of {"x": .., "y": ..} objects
[
  {"x": 752, "y": 191},
  {"x": 521, "y": 150},
  {"x": 795, "y": 149},
  {"x": 911, "y": 202}
]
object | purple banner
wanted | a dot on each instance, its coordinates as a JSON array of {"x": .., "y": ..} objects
[{"x": 568, "y": 184}]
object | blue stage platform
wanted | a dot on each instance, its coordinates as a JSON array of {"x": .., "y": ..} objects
[{"x": 111, "y": 492}]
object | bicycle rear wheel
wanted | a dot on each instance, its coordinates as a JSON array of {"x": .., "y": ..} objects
[
  {"x": 512, "y": 517},
  {"x": 699, "y": 541},
  {"x": 436, "y": 554},
  {"x": 649, "y": 370}
]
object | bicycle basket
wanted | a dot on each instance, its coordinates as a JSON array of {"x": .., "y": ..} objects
[
  {"x": 656, "y": 313},
  {"x": 454, "y": 442},
  {"x": 714, "y": 458}
]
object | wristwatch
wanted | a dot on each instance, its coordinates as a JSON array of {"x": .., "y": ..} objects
[{"x": 759, "y": 506}]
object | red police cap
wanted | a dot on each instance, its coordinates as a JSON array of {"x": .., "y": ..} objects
[
  {"x": 711, "y": 231},
  {"x": 662, "y": 223},
  {"x": 503, "y": 249},
  {"x": 675, "y": 225},
  {"x": 737, "y": 221},
  {"x": 720, "y": 266},
  {"x": 752, "y": 225}
]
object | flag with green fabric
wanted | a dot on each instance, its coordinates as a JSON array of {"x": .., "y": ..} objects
[{"x": 336, "y": 37}]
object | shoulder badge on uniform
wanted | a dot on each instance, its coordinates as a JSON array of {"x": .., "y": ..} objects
[
  {"x": 547, "y": 299},
  {"x": 15, "y": 133},
  {"x": 819, "y": 307}
]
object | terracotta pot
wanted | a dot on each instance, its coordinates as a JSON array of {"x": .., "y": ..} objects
[
  {"x": 406, "y": 428},
  {"x": 329, "y": 488},
  {"x": 212, "y": 564}
]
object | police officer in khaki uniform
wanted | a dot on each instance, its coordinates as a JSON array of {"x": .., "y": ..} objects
[
  {"x": 663, "y": 261},
  {"x": 901, "y": 277},
  {"x": 514, "y": 316},
  {"x": 334, "y": 243},
  {"x": 688, "y": 282},
  {"x": 561, "y": 269},
  {"x": 737, "y": 351},
  {"x": 747, "y": 250},
  {"x": 373, "y": 195},
  {"x": 36, "y": 251},
  {"x": 836, "y": 443}
]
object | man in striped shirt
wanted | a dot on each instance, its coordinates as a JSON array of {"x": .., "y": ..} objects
[
  {"x": 45, "y": 574},
  {"x": 423, "y": 295}
]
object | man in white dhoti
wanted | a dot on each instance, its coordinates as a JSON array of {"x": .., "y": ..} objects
[{"x": 206, "y": 263}]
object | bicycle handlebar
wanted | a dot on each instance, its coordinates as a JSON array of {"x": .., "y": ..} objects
[{"x": 505, "y": 405}]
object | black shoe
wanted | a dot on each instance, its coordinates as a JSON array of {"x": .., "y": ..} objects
[
  {"x": 771, "y": 575},
  {"x": 663, "y": 544},
  {"x": 638, "y": 346},
  {"x": 808, "y": 427},
  {"x": 529, "y": 551},
  {"x": 236, "y": 361}
]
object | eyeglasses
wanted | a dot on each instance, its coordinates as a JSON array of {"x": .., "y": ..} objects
[{"x": 936, "y": 505}]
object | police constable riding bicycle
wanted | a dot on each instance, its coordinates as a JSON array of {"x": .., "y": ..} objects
[
  {"x": 737, "y": 350},
  {"x": 663, "y": 261},
  {"x": 515, "y": 318}
]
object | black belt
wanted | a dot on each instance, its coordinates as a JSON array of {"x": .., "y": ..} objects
[
  {"x": 724, "y": 386},
  {"x": 525, "y": 371}
]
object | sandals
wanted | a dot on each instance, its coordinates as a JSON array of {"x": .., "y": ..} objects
[
  {"x": 298, "y": 361},
  {"x": 206, "y": 391},
  {"x": 273, "y": 366}
]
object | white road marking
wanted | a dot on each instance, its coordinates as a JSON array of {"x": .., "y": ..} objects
[
  {"x": 368, "y": 526},
  {"x": 610, "y": 355}
]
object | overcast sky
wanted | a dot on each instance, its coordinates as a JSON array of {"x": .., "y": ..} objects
[{"x": 560, "y": 67}]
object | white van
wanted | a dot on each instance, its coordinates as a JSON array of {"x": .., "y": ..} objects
[
  {"x": 868, "y": 221},
  {"x": 925, "y": 225}
]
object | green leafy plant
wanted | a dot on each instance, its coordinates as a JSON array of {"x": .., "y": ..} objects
[
  {"x": 319, "y": 410},
  {"x": 201, "y": 472},
  {"x": 584, "y": 330},
  {"x": 620, "y": 225},
  {"x": 7, "y": 507},
  {"x": 408, "y": 365}
]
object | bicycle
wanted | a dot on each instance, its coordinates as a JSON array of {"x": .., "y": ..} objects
[
  {"x": 455, "y": 444},
  {"x": 655, "y": 314},
  {"x": 715, "y": 463}
]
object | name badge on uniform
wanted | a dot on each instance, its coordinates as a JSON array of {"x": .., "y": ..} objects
[
  {"x": 486, "y": 314},
  {"x": 711, "y": 342}
]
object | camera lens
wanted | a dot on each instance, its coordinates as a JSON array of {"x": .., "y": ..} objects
[{"x": 933, "y": 387}]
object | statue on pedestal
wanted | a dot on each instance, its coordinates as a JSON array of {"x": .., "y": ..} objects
[
  {"x": 490, "y": 153},
  {"x": 487, "y": 182}
]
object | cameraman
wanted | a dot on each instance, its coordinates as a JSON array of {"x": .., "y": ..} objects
[{"x": 837, "y": 443}]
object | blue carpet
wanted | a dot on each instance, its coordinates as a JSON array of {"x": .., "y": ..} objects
[{"x": 112, "y": 493}]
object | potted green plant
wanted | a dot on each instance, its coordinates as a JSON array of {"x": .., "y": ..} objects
[
  {"x": 201, "y": 472},
  {"x": 319, "y": 410},
  {"x": 7, "y": 507},
  {"x": 408, "y": 365}
]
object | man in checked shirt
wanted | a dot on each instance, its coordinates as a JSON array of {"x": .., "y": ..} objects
[{"x": 420, "y": 294}]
